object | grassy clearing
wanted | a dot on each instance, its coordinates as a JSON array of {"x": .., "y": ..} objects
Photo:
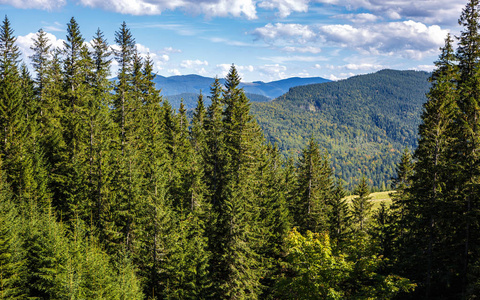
[{"x": 377, "y": 198}]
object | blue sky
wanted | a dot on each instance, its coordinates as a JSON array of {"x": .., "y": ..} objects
[{"x": 266, "y": 39}]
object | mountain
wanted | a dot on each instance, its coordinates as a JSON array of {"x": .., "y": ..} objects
[
  {"x": 184, "y": 86},
  {"x": 364, "y": 122},
  {"x": 190, "y": 99}
]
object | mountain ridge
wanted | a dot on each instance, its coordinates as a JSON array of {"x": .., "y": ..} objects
[
  {"x": 193, "y": 84},
  {"x": 364, "y": 121}
]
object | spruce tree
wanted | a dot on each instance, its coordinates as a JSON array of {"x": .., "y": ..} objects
[
  {"x": 361, "y": 206},
  {"x": 339, "y": 219},
  {"x": 235, "y": 263},
  {"x": 467, "y": 139},
  {"x": 314, "y": 189},
  {"x": 101, "y": 133}
]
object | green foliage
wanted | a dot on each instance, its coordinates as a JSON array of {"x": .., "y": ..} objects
[
  {"x": 314, "y": 189},
  {"x": 316, "y": 273},
  {"x": 364, "y": 122},
  {"x": 107, "y": 192},
  {"x": 361, "y": 206}
]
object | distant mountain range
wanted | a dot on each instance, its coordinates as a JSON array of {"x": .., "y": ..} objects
[{"x": 188, "y": 87}]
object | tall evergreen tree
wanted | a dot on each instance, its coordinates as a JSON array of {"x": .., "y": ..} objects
[
  {"x": 465, "y": 152},
  {"x": 235, "y": 264},
  {"x": 361, "y": 206},
  {"x": 339, "y": 219},
  {"x": 13, "y": 115},
  {"x": 314, "y": 189}
]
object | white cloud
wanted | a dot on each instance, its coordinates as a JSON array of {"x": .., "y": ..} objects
[
  {"x": 360, "y": 18},
  {"x": 24, "y": 42},
  {"x": 188, "y": 64},
  {"x": 210, "y": 8},
  {"x": 427, "y": 11},
  {"x": 340, "y": 76},
  {"x": 230, "y": 42},
  {"x": 428, "y": 68},
  {"x": 292, "y": 32},
  {"x": 174, "y": 72},
  {"x": 223, "y": 69},
  {"x": 168, "y": 50},
  {"x": 159, "y": 58},
  {"x": 306, "y": 49},
  {"x": 36, "y": 4},
  {"x": 409, "y": 39},
  {"x": 285, "y": 7}
]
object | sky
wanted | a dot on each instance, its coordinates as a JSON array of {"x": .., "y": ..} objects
[{"x": 267, "y": 40}]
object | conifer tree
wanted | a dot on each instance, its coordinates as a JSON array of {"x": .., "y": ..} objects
[
  {"x": 361, "y": 206},
  {"x": 213, "y": 155},
  {"x": 124, "y": 57},
  {"x": 127, "y": 114},
  {"x": 314, "y": 189},
  {"x": 40, "y": 60},
  {"x": 275, "y": 216},
  {"x": 13, "y": 114},
  {"x": 11, "y": 263},
  {"x": 465, "y": 152},
  {"x": 101, "y": 132},
  {"x": 235, "y": 263},
  {"x": 340, "y": 219}
]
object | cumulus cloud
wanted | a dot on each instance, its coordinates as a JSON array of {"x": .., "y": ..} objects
[
  {"x": 174, "y": 72},
  {"x": 360, "y": 18},
  {"x": 291, "y": 32},
  {"x": 427, "y": 11},
  {"x": 159, "y": 58},
  {"x": 409, "y": 39},
  {"x": 340, "y": 76},
  {"x": 285, "y": 7},
  {"x": 428, "y": 68},
  {"x": 225, "y": 68},
  {"x": 25, "y": 42},
  {"x": 188, "y": 64},
  {"x": 210, "y": 8}
]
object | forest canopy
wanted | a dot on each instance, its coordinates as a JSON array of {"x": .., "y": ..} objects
[{"x": 106, "y": 192}]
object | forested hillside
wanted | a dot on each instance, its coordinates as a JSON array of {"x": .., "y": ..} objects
[
  {"x": 364, "y": 122},
  {"x": 106, "y": 192}
]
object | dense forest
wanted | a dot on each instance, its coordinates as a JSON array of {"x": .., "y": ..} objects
[
  {"x": 364, "y": 122},
  {"x": 106, "y": 192}
]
